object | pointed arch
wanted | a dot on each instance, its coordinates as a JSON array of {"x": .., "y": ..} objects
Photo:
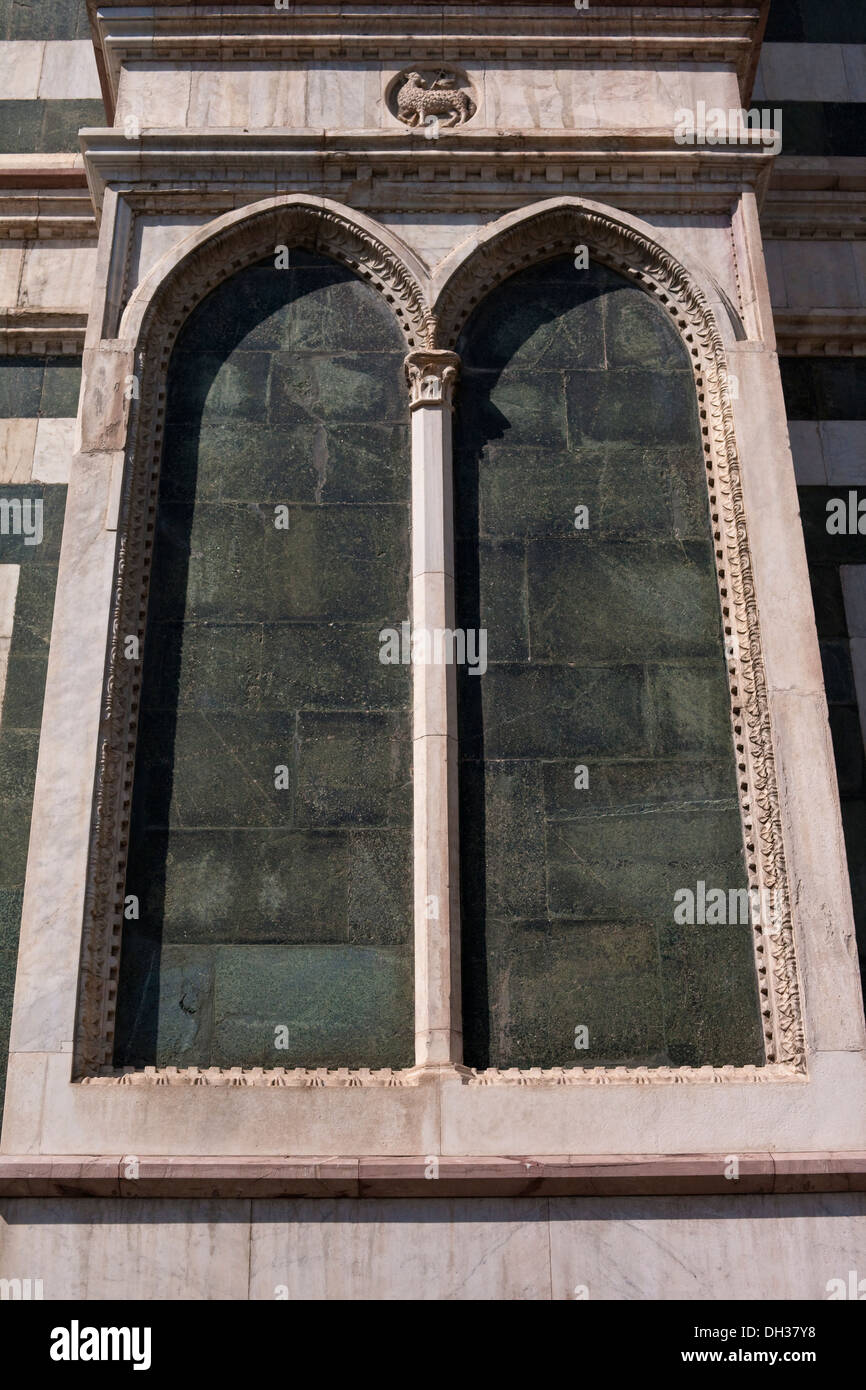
[
  {"x": 694, "y": 305},
  {"x": 150, "y": 326}
]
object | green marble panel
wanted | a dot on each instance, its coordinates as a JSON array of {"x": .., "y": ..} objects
[
  {"x": 272, "y": 809},
  {"x": 597, "y": 769}
]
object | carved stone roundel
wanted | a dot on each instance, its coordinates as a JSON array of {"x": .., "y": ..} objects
[{"x": 430, "y": 97}]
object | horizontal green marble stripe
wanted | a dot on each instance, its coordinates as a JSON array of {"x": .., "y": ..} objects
[
  {"x": 816, "y": 21},
  {"x": 46, "y": 127},
  {"x": 44, "y": 387},
  {"x": 824, "y": 388}
]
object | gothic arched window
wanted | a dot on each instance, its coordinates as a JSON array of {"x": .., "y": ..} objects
[{"x": 269, "y": 878}]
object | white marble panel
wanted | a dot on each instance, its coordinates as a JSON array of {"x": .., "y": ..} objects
[
  {"x": 55, "y": 445},
  {"x": 69, "y": 71},
  {"x": 58, "y": 276},
  {"x": 431, "y": 1250},
  {"x": 17, "y": 442},
  {"x": 107, "y": 1248},
  {"x": 696, "y": 1248},
  {"x": 152, "y": 237},
  {"x": 20, "y": 66}
]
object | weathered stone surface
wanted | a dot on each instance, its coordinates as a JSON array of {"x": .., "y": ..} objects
[
  {"x": 597, "y": 772},
  {"x": 22, "y": 713},
  {"x": 272, "y": 802}
]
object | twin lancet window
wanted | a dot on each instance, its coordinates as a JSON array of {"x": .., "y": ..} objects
[{"x": 272, "y": 900}]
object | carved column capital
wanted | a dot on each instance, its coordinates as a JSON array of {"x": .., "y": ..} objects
[{"x": 432, "y": 376}]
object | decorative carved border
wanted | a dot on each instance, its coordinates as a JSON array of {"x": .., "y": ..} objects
[
  {"x": 237, "y": 246},
  {"x": 548, "y": 233},
  {"x": 555, "y": 232}
]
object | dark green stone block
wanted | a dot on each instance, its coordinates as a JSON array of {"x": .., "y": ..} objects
[
  {"x": 825, "y": 547},
  {"x": 840, "y": 387},
  {"x": 202, "y": 666},
  {"x": 34, "y": 609},
  {"x": 804, "y": 129},
  {"x": 828, "y": 601},
  {"x": 20, "y": 377},
  {"x": 11, "y": 900},
  {"x": 348, "y": 564},
  {"x": 522, "y": 406},
  {"x": 514, "y": 840},
  {"x": 283, "y": 464},
  {"x": 366, "y": 388},
  {"x": 275, "y": 886},
  {"x": 342, "y": 1006},
  {"x": 32, "y": 19},
  {"x": 710, "y": 996},
  {"x": 331, "y": 306},
  {"x": 380, "y": 887},
  {"x": 556, "y": 711},
  {"x": 19, "y": 526},
  {"x": 204, "y": 384},
  {"x": 621, "y": 601},
  {"x": 637, "y": 333},
  {"x": 643, "y": 407},
  {"x": 25, "y": 687},
  {"x": 491, "y": 581},
  {"x": 854, "y": 825},
  {"x": 62, "y": 120},
  {"x": 21, "y": 125},
  {"x": 798, "y": 385},
  {"x": 216, "y": 769},
  {"x": 629, "y": 866},
  {"x": 542, "y": 323},
  {"x": 688, "y": 497},
  {"x": 848, "y": 748},
  {"x": 838, "y": 672},
  {"x": 19, "y": 750},
  {"x": 61, "y": 387},
  {"x": 691, "y": 710},
  {"x": 354, "y": 769},
  {"x": 15, "y": 812},
  {"x": 546, "y": 980},
  {"x": 333, "y": 563},
  {"x": 329, "y": 666},
  {"x": 137, "y": 1026},
  {"x": 186, "y": 997},
  {"x": 637, "y": 788}
]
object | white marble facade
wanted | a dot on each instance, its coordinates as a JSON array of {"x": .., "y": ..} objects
[{"x": 575, "y": 114}]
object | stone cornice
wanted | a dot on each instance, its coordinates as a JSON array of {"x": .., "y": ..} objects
[
  {"x": 480, "y": 168},
  {"x": 593, "y": 1175},
  {"x": 34, "y": 332},
  {"x": 821, "y": 332},
  {"x": 176, "y": 33},
  {"x": 45, "y": 197}
]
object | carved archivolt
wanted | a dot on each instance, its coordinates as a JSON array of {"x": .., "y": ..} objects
[{"x": 431, "y": 339}]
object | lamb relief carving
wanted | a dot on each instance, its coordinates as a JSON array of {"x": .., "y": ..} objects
[{"x": 416, "y": 97}]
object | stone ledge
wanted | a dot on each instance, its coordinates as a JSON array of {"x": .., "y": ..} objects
[
  {"x": 46, "y": 1175},
  {"x": 835, "y": 332}
]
